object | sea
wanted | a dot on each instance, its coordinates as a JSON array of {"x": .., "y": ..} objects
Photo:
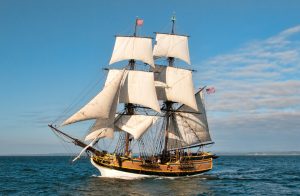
[{"x": 231, "y": 175}]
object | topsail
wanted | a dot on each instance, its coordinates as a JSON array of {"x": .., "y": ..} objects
[
  {"x": 137, "y": 48},
  {"x": 178, "y": 85},
  {"x": 170, "y": 45}
]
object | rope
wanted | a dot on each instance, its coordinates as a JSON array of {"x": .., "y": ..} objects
[
  {"x": 63, "y": 142},
  {"x": 90, "y": 87}
]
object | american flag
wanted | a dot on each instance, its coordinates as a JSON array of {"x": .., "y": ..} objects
[
  {"x": 139, "y": 22},
  {"x": 210, "y": 90}
]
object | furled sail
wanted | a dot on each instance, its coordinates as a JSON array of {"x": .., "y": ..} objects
[
  {"x": 190, "y": 127},
  {"x": 170, "y": 45},
  {"x": 129, "y": 47},
  {"x": 136, "y": 125},
  {"x": 137, "y": 88},
  {"x": 100, "y": 106},
  {"x": 179, "y": 85}
]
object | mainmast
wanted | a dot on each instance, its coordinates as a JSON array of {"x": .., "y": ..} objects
[
  {"x": 168, "y": 104},
  {"x": 172, "y": 59}
]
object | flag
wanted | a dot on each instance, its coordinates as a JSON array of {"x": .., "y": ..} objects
[
  {"x": 210, "y": 90},
  {"x": 139, "y": 22}
]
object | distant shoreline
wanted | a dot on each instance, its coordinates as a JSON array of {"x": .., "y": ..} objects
[
  {"x": 283, "y": 153},
  {"x": 279, "y": 153}
]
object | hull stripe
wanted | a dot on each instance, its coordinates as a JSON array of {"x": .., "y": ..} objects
[{"x": 147, "y": 172}]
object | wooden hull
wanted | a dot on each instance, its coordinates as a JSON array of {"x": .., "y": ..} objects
[{"x": 112, "y": 166}]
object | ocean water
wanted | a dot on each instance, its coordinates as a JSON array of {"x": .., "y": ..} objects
[{"x": 232, "y": 175}]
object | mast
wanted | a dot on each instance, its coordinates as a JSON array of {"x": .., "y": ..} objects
[
  {"x": 129, "y": 107},
  {"x": 169, "y": 104},
  {"x": 173, "y": 24},
  {"x": 121, "y": 86},
  {"x": 172, "y": 59},
  {"x": 135, "y": 26}
]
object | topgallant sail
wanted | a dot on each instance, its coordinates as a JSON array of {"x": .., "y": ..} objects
[{"x": 161, "y": 116}]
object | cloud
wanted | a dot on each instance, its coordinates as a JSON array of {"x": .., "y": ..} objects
[
  {"x": 257, "y": 85},
  {"x": 287, "y": 33}
]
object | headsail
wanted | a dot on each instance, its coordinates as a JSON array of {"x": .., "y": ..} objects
[
  {"x": 100, "y": 106},
  {"x": 190, "y": 127},
  {"x": 104, "y": 127},
  {"x": 170, "y": 45},
  {"x": 130, "y": 47}
]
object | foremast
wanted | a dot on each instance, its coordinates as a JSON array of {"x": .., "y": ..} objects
[
  {"x": 122, "y": 86},
  {"x": 129, "y": 107}
]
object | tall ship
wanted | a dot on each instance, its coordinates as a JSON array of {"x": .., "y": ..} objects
[{"x": 151, "y": 113}]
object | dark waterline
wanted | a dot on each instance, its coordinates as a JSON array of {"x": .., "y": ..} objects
[{"x": 232, "y": 175}]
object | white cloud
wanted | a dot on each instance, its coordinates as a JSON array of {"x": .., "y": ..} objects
[
  {"x": 289, "y": 32},
  {"x": 257, "y": 86}
]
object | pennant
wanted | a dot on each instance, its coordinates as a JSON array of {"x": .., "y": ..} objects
[
  {"x": 210, "y": 90},
  {"x": 139, "y": 22}
]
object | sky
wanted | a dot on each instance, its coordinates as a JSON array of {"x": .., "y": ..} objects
[{"x": 52, "y": 54}]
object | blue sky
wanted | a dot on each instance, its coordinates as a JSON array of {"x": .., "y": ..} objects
[{"x": 52, "y": 52}]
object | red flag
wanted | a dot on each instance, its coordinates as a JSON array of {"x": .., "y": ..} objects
[
  {"x": 210, "y": 90},
  {"x": 139, "y": 22}
]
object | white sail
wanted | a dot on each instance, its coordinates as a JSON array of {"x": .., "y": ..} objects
[
  {"x": 191, "y": 128},
  {"x": 138, "y": 48},
  {"x": 101, "y": 133},
  {"x": 178, "y": 85},
  {"x": 100, "y": 106},
  {"x": 138, "y": 88},
  {"x": 173, "y": 136},
  {"x": 105, "y": 127},
  {"x": 101, "y": 128},
  {"x": 136, "y": 125},
  {"x": 169, "y": 45}
]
